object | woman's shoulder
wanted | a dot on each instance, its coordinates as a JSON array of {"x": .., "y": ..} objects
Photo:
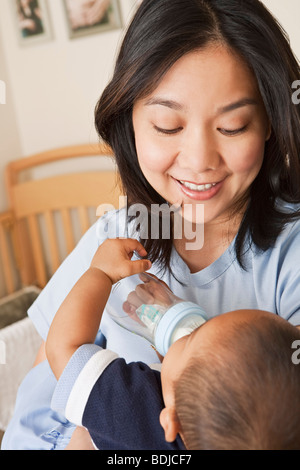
[
  {"x": 285, "y": 249},
  {"x": 117, "y": 223},
  {"x": 292, "y": 225},
  {"x": 112, "y": 224},
  {"x": 287, "y": 207},
  {"x": 288, "y": 241}
]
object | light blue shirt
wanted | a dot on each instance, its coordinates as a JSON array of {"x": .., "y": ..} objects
[{"x": 271, "y": 283}]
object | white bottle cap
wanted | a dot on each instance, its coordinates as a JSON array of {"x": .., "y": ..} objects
[
  {"x": 167, "y": 333},
  {"x": 193, "y": 322}
]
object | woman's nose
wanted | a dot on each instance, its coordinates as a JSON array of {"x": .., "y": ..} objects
[{"x": 199, "y": 151}]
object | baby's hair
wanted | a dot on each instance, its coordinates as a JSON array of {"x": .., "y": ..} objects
[{"x": 245, "y": 394}]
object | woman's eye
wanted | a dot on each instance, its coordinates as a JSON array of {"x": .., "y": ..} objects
[
  {"x": 167, "y": 131},
  {"x": 227, "y": 132},
  {"x": 232, "y": 132}
]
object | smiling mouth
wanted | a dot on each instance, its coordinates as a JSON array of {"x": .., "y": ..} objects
[
  {"x": 199, "y": 192},
  {"x": 197, "y": 187}
]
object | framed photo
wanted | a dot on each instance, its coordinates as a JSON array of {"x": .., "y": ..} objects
[
  {"x": 92, "y": 16},
  {"x": 32, "y": 21}
]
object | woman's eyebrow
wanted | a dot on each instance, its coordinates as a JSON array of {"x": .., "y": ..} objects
[
  {"x": 156, "y": 100},
  {"x": 238, "y": 104}
]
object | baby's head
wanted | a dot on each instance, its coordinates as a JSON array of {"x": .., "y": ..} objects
[{"x": 232, "y": 384}]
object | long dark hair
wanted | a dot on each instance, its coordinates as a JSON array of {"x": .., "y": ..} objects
[{"x": 161, "y": 32}]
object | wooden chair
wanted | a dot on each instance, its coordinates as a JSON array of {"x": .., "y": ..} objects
[
  {"x": 9, "y": 276},
  {"x": 36, "y": 206}
]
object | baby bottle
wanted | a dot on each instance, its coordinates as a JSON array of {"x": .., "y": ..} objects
[{"x": 148, "y": 308}]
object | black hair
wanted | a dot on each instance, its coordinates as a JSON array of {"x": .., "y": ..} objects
[
  {"x": 161, "y": 32},
  {"x": 244, "y": 393}
]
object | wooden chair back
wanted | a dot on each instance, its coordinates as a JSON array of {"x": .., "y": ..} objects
[
  {"x": 10, "y": 281},
  {"x": 37, "y": 205}
]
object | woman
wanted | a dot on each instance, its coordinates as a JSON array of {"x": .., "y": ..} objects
[{"x": 199, "y": 111}]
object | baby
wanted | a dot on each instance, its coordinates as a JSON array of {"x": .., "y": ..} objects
[{"x": 230, "y": 384}]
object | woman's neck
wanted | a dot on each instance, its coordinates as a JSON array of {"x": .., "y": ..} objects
[{"x": 215, "y": 239}]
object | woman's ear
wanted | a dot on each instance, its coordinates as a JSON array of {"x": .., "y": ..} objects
[
  {"x": 169, "y": 422},
  {"x": 269, "y": 131}
]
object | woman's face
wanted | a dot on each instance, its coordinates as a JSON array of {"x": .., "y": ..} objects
[{"x": 200, "y": 135}]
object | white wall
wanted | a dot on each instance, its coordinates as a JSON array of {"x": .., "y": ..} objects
[
  {"x": 56, "y": 84},
  {"x": 10, "y": 144},
  {"x": 53, "y": 86},
  {"x": 288, "y": 14}
]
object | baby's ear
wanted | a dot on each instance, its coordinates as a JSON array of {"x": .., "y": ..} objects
[{"x": 169, "y": 421}]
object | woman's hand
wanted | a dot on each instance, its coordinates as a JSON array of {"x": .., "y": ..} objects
[{"x": 151, "y": 292}]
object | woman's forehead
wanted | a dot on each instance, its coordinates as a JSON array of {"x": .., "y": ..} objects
[{"x": 213, "y": 73}]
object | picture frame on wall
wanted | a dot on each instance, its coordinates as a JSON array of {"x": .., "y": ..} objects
[
  {"x": 85, "y": 17},
  {"x": 32, "y": 21}
]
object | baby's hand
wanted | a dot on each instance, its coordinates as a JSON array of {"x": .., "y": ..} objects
[{"x": 113, "y": 257}]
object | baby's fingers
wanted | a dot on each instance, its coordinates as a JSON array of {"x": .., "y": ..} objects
[
  {"x": 131, "y": 245},
  {"x": 140, "y": 265}
]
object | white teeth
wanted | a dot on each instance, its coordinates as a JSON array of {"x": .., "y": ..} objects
[{"x": 197, "y": 187}]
